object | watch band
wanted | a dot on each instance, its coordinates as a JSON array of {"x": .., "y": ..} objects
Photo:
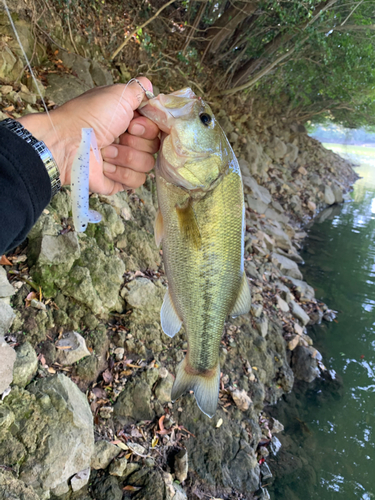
[{"x": 42, "y": 150}]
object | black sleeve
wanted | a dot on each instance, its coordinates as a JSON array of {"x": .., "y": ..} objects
[{"x": 25, "y": 189}]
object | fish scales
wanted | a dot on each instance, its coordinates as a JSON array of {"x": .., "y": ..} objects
[
  {"x": 200, "y": 224},
  {"x": 203, "y": 281}
]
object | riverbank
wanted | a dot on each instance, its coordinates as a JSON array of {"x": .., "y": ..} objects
[{"x": 93, "y": 370}]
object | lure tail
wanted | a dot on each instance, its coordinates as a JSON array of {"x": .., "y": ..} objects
[{"x": 205, "y": 386}]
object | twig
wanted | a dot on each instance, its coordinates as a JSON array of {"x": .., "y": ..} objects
[{"x": 119, "y": 49}]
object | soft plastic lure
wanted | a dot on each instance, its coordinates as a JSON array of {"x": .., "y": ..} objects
[{"x": 82, "y": 215}]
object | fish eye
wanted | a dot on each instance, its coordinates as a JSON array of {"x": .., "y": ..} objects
[{"x": 205, "y": 119}]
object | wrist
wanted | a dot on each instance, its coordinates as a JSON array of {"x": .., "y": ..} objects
[{"x": 39, "y": 125}]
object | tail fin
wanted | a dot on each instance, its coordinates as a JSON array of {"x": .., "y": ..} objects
[{"x": 205, "y": 387}]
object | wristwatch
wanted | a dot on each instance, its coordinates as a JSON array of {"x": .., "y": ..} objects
[{"x": 42, "y": 150}]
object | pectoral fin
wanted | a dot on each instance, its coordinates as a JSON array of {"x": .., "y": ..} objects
[
  {"x": 188, "y": 224},
  {"x": 204, "y": 385},
  {"x": 243, "y": 302},
  {"x": 158, "y": 228},
  {"x": 170, "y": 321}
]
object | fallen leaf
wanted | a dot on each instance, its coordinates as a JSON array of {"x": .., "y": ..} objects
[
  {"x": 107, "y": 376},
  {"x": 63, "y": 347},
  {"x": 131, "y": 488},
  {"x": 4, "y": 261},
  {"x": 154, "y": 441},
  {"x": 51, "y": 370},
  {"x": 219, "y": 423}
]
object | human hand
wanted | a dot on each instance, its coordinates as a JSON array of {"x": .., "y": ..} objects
[{"x": 126, "y": 140}]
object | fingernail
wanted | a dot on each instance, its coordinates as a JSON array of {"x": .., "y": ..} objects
[
  {"x": 137, "y": 129},
  {"x": 110, "y": 152},
  {"x": 109, "y": 168}
]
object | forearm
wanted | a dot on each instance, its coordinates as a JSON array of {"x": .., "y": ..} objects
[{"x": 25, "y": 189}]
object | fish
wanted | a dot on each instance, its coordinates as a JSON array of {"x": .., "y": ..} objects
[{"x": 200, "y": 224}]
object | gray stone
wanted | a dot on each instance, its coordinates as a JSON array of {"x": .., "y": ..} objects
[
  {"x": 12, "y": 488},
  {"x": 304, "y": 366},
  {"x": 104, "y": 453},
  {"x": 77, "y": 351},
  {"x": 60, "y": 249},
  {"x": 337, "y": 192},
  {"x": 141, "y": 293},
  {"x": 226, "y": 125},
  {"x": 134, "y": 402},
  {"x": 259, "y": 192},
  {"x": 302, "y": 290},
  {"x": 291, "y": 153},
  {"x": 80, "y": 479},
  {"x": 107, "y": 488},
  {"x": 6, "y": 289},
  {"x": 282, "y": 240},
  {"x": 256, "y": 205},
  {"x": 283, "y": 306},
  {"x": 118, "y": 467},
  {"x": 286, "y": 266},
  {"x": 6, "y": 418},
  {"x": 253, "y": 155},
  {"x": 60, "y": 489},
  {"x": 329, "y": 197},
  {"x": 64, "y": 87},
  {"x": 26, "y": 365},
  {"x": 277, "y": 148},
  {"x": 298, "y": 312},
  {"x": 262, "y": 326},
  {"x": 6, "y": 318},
  {"x": 164, "y": 388},
  {"x": 7, "y": 360},
  {"x": 100, "y": 75},
  {"x": 80, "y": 66},
  {"x": 181, "y": 465},
  {"x": 68, "y": 423}
]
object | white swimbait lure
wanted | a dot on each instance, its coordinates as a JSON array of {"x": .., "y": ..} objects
[{"x": 82, "y": 215}]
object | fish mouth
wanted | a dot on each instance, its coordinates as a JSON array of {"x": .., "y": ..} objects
[{"x": 164, "y": 109}]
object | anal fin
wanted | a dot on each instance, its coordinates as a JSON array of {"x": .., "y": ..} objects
[
  {"x": 158, "y": 228},
  {"x": 205, "y": 386},
  {"x": 170, "y": 321},
  {"x": 243, "y": 301}
]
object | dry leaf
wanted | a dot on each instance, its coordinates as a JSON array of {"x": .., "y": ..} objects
[
  {"x": 107, "y": 376},
  {"x": 132, "y": 488},
  {"x": 4, "y": 261},
  {"x": 51, "y": 370}
]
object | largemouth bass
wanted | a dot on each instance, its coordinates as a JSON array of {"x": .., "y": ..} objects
[{"x": 200, "y": 223}]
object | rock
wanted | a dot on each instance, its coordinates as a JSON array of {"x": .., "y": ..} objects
[
  {"x": 181, "y": 465},
  {"x": 134, "y": 402},
  {"x": 60, "y": 489},
  {"x": 280, "y": 237},
  {"x": 291, "y": 153},
  {"x": 6, "y": 318},
  {"x": 80, "y": 66},
  {"x": 276, "y": 426},
  {"x": 107, "y": 488},
  {"x": 283, "y": 306},
  {"x": 26, "y": 365},
  {"x": 7, "y": 360},
  {"x": 262, "y": 326},
  {"x": 56, "y": 408},
  {"x": 241, "y": 399},
  {"x": 265, "y": 471},
  {"x": 256, "y": 205},
  {"x": 130, "y": 469},
  {"x": 12, "y": 488},
  {"x": 77, "y": 351},
  {"x": 64, "y": 87},
  {"x": 259, "y": 192},
  {"x": 6, "y": 289},
  {"x": 253, "y": 155},
  {"x": 304, "y": 366},
  {"x": 298, "y": 329},
  {"x": 286, "y": 266},
  {"x": 293, "y": 342},
  {"x": 80, "y": 479},
  {"x": 311, "y": 206},
  {"x": 62, "y": 249},
  {"x": 256, "y": 310},
  {"x": 329, "y": 197},
  {"x": 141, "y": 293},
  {"x": 337, "y": 192},
  {"x": 302, "y": 170},
  {"x": 298, "y": 312},
  {"x": 104, "y": 453},
  {"x": 277, "y": 148},
  {"x": 302, "y": 289},
  {"x": 164, "y": 388},
  {"x": 100, "y": 75},
  {"x": 118, "y": 467},
  {"x": 226, "y": 125}
]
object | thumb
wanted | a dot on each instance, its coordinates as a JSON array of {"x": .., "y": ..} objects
[{"x": 133, "y": 94}]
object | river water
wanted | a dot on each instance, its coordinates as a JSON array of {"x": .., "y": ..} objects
[{"x": 328, "y": 445}]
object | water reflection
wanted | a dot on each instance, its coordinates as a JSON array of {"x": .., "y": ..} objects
[{"x": 335, "y": 460}]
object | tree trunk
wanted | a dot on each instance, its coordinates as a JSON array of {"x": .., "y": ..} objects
[
  {"x": 273, "y": 46},
  {"x": 227, "y": 23}
]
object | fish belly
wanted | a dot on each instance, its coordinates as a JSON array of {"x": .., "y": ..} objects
[{"x": 204, "y": 277}]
